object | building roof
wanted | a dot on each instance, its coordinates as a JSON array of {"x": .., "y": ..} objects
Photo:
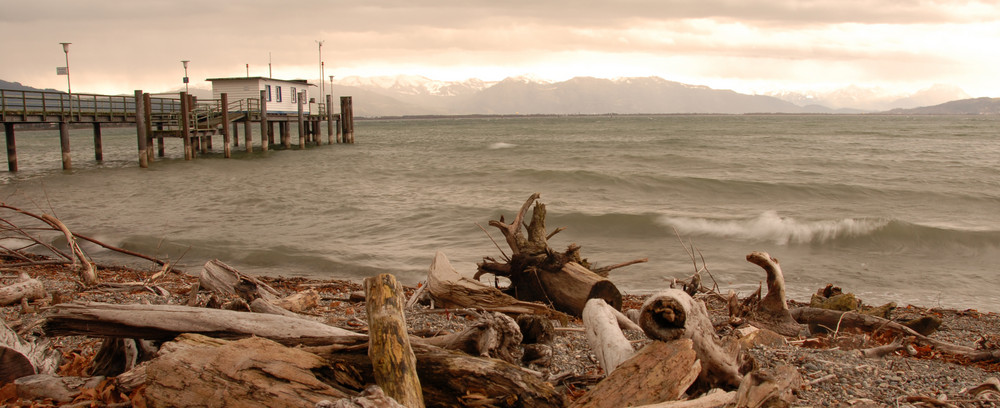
[{"x": 295, "y": 81}]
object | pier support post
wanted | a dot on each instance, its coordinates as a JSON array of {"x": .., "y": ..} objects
[
  {"x": 98, "y": 143},
  {"x": 186, "y": 127},
  {"x": 347, "y": 118},
  {"x": 225, "y": 125},
  {"x": 301, "y": 122},
  {"x": 339, "y": 130},
  {"x": 283, "y": 133},
  {"x": 236, "y": 134},
  {"x": 67, "y": 161},
  {"x": 147, "y": 104},
  {"x": 329, "y": 119},
  {"x": 8, "y": 130},
  {"x": 140, "y": 129},
  {"x": 264, "y": 134},
  {"x": 248, "y": 134},
  {"x": 160, "y": 148}
]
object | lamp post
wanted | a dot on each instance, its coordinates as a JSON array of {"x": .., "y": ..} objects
[
  {"x": 185, "y": 62},
  {"x": 322, "y": 91},
  {"x": 69, "y": 89}
]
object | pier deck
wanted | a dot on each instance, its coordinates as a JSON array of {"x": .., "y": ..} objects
[{"x": 194, "y": 121}]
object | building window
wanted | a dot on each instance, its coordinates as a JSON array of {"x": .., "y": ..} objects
[
  {"x": 294, "y": 95},
  {"x": 268, "y": 88},
  {"x": 277, "y": 97}
]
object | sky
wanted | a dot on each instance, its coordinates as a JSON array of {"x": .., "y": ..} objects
[{"x": 750, "y": 46}]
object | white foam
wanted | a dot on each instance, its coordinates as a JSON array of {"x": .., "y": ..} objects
[
  {"x": 502, "y": 145},
  {"x": 769, "y": 226}
]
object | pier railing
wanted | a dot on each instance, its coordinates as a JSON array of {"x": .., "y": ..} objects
[{"x": 39, "y": 106}]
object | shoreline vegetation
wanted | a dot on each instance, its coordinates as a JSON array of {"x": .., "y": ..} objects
[{"x": 554, "y": 333}]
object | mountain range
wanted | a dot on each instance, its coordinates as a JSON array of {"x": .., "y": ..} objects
[{"x": 416, "y": 95}]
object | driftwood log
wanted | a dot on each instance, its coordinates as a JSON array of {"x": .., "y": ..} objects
[
  {"x": 604, "y": 336},
  {"x": 452, "y": 379},
  {"x": 394, "y": 364},
  {"x": 448, "y": 289},
  {"x": 661, "y": 371},
  {"x": 673, "y": 314},
  {"x": 769, "y": 388},
  {"x": 218, "y": 277},
  {"x": 844, "y": 320},
  {"x": 163, "y": 322},
  {"x": 538, "y": 273},
  {"x": 772, "y": 311},
  {"x": 26, "y": 288},
  {"x": 253, "y": 372}
]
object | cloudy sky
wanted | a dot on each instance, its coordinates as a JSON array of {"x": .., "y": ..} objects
[{"x": 745, "y": 45}]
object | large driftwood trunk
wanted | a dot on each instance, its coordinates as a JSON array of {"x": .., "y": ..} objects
[
  {"x": 673, "y": 314},
  {"x": 538, "y": 273},
  {"x": 450, "y": 290},
  {"x": 167, "y": 321},
  {"x": 19, "y": 357},
  {"x": 254, "y": 372},
  {"x": 452, "y": 379},
  {"x": 388, "y": 344},
  {"x": 661, "y": 371}
]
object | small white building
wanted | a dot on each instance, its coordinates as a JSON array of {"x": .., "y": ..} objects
[{"x": 282, "y": 95}]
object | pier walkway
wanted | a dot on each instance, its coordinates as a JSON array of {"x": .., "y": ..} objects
[{"x": 184, "y": 117}]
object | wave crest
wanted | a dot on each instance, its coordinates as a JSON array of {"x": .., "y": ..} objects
[{"x": 769, "y": 226}]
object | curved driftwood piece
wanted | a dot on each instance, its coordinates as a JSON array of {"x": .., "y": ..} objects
[
  {"x": 772, "y": 311},
  {"x": 19, "y": 357},
  {"x": 661, "y": 371},
  {"x": 449, "y": 289},
  {"x": 26, "y": 288},
  {"x": 715, "y": 398},
  {"x": 769, "y": 388},
  {"x": 388, "y": 344},
  {"x": 605, "y": 338},
  {"x": 167, "y": 321},
  {"x": 673, "y": 314},
  {"x": 86, "y": 268},
  {"x": 493, "y": 335}
]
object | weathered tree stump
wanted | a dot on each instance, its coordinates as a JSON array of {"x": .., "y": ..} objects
[
  {"x": 539, "y": 274},
  {"x": 661, "y": 371}
]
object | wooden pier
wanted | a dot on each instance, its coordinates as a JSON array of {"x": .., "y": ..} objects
[{"x": 184, "y": 117}]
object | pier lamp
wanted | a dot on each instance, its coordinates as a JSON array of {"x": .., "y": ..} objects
[
  {"x": 69, "y": 89},
  {"x": 321, "y": 82},
  {"x": 185, "y": 62}
]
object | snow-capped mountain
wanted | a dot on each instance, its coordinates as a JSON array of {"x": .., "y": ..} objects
[{"x": 874, "y": 99}]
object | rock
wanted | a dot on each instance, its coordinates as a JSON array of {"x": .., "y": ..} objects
[{"x": 924, "y": 325}]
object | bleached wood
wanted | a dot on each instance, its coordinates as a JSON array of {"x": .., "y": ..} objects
[
  {"x": 712, "y": 399},
  {"x": 165, "y": 321},
  {"x": 219, "y": 277},
  {"x": 300, "y": 301},
  {"x": 29, "y": 289},
  {"x": 605, "y": 337}
]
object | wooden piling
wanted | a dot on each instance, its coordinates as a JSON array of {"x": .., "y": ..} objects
[
  {"x": 147, "y": 105},
  {"x": 301, "y": 121},
  {"x": 248, "y": 134},
  {"x": 236, "y": 134},
  {"x": 347, "y": 118},
  {"x": 339, "y": 130},
  {"x": 329, "y": 119},
  {"x": 8, "y": 130},
  {"x": 263, "y": 121},
  {"x": 98, "y": 143},
  {"x": 270, "y": 133},
  {"x": 225, "y": 126},
  {"x": 140, "y": 129},
  {"x": 160, "y": 148},
  {"x": 286, "y": 137},
  {"x": 67, "y": 161},
  {"x": 186, "y": 127}
]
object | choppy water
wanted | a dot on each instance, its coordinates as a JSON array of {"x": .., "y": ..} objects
[{"x": 903, "y": 209}]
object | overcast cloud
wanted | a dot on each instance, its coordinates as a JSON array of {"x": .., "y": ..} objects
[{"x": 746, "y": 45}]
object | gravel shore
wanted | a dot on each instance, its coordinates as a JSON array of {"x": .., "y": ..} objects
[{"x": 832, "y": 367}]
